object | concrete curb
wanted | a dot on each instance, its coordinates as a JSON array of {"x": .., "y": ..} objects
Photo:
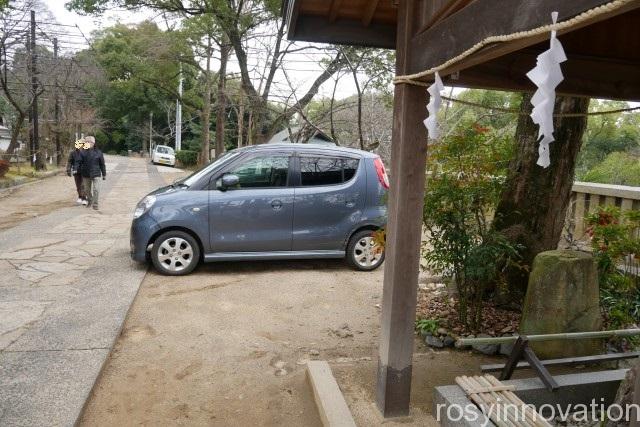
[{"x": 332, "y": 407}]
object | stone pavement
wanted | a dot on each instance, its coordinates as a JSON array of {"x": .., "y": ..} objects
[{"x": 66, "y": 285}]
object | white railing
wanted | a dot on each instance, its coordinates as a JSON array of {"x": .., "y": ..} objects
[{"x": 587, "y": 197}]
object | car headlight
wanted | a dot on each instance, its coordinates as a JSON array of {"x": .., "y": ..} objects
[{"x": 144, "y": 205}]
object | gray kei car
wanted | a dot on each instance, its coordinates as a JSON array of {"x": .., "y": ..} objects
[{"x": 272, "y": 201}]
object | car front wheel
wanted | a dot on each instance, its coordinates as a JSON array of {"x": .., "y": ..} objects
[
  {"x": 363, "y": 252},
  {"x": 175, "y": 253}
]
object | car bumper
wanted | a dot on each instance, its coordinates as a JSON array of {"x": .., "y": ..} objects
[{"x": 142, "y": 229}]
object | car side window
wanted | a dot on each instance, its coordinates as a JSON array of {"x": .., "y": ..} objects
[
  {"x": 317, "y": 171},
  {"x": 350, "y": 168},
  {"x": 262, "y": 172}
]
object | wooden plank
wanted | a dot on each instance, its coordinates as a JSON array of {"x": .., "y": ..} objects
[
  {"x": 404, "y": 226},
  {"x": 460, "y": 35},
  {"x": 627, "y": 205},
  {"x": 317, "y": 29},
  {"x": 332, "y": 407},
  {"x": 369, "y": 11},
  {"x": 634, "y": 415},
  {"x": 334, "y": 9},
  {"x": 583, "y": 360}
]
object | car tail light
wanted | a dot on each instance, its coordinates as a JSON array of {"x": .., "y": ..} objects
[{"x": 382, "y": 172}]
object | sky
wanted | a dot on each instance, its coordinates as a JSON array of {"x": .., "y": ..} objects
[{"x": 302, "y": 68}]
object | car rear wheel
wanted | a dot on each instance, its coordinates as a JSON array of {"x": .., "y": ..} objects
[
  {"x": 175, "y": 253},
  {"x": 363, "y": 252}
]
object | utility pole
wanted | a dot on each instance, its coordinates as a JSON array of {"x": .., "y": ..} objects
[
  {"x": 39, "y": 163},
  {"x": 32, "y": 148},
  {"x": 179, "y": 114},
  {"x": 56, "y": 135}
]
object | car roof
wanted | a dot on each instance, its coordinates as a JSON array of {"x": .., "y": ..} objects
[{"x": 314, "y": 148}]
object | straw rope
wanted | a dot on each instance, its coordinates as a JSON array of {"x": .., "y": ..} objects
[{"x": 412, "y": 79}]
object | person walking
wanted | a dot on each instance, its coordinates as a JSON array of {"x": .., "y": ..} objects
[
  {"x": 92, "y": 168},
  {"x": 73, "y": 169}
]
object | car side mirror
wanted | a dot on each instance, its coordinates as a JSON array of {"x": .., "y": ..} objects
[{"x": 228, "y": 181}]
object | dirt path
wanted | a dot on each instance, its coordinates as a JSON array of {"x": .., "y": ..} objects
[
  {"x": 226, "y": 345},
  {"x": 35, "y": 199}
]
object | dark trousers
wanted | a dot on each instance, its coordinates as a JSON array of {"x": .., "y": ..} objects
[{"x": 79, "y": 187}]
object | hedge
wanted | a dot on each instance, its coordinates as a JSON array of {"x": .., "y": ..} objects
[{"x": 187, "y": 157}]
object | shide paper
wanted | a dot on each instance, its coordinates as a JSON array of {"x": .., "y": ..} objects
[
  {"x": 435, "y": 101},
  {"x": 546, "y": 75}
]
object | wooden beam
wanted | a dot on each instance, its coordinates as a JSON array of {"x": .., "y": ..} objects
[
  {"x": 584, "y": 76},
  {"x": 369, "y": 11},
  {"x": 444, "y": 12},
  {"x": 292, "y": 12},
  {"x": 460, "y": 35},
  {"x": 333, "y": 10},
  {"x": 404, "y": 229},
  {"x": 316, "y": 29}
]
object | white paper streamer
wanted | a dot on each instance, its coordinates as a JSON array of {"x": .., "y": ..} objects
[
  {"x": 435, "y": 101},
  {"x": 546, "y": 75}
]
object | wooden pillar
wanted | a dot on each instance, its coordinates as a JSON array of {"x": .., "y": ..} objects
[{"x": 406, "y": 199}]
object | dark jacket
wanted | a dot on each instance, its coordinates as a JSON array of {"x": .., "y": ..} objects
[
  {"x": 73, "y": 164},
  {"x": 92, "y": 164}
]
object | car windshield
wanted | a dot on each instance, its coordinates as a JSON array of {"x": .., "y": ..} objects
[
  {"x": 194, "y": 177},
  {"x": 164, "y": 150}
]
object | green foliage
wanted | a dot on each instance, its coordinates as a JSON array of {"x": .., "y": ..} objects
[
  {"x": 616, "y": 246},
  {"x": 617, "y": 168},
  {"x": 424, "y": 325},
  {"x": 140, "y": 68},
  {"x": 607, "y": 134},
  {"x": 459, "y": 115},
  {"x": 467, "y": 170},
  {"x": 187, "y": 157}
]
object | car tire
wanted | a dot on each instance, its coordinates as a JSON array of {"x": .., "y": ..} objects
[
  {"x": 359, "y": 252},
  {"x": 175, "y": 253}
]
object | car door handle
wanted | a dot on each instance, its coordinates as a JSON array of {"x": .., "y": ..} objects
[{"x": 276, "y": 204}]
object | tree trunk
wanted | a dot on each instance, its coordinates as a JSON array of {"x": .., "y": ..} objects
[
  {"x": 15, "y": 132},
  {"x": 250, "y": 127},
  {"x": 331, "y": 105},
  {"x": 222, "y": 99},
  {"x": 359, "y": 91},
  {"x": 205, "y": 150},
  {"x": 534, "y": 201},
  {"x": 241, "y": 122}
]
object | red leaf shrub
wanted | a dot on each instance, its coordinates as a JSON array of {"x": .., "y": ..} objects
[{"x": 4, "y": 168}]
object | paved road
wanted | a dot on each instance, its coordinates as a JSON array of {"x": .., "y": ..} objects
[{"x": 66, "y": 285}]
